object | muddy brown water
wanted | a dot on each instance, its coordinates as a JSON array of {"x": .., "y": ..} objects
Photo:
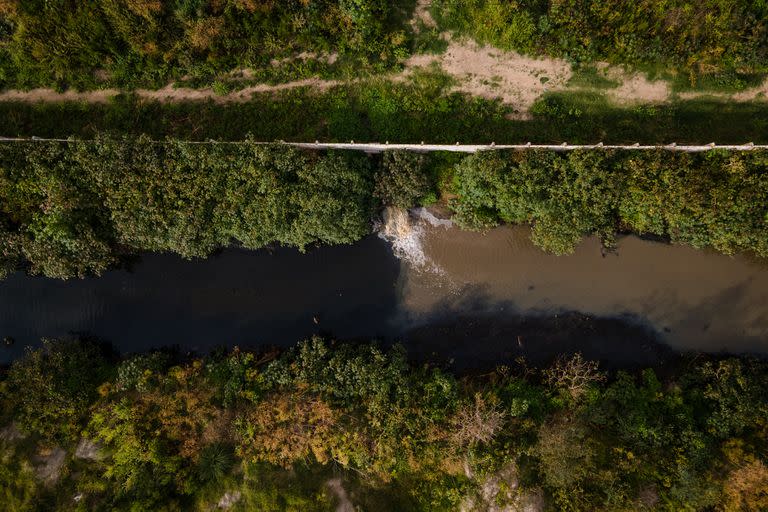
[
  {"x": 697, "y": 300},
  {"x": 481, "y": 297}
]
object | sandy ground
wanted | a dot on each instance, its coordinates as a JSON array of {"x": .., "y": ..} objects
[
  {"x": 491, "y": 73},
  {"x": 421, "y": 14},
  {"x": 636, "y": 88},
  {"x": 168, "y": 93}
]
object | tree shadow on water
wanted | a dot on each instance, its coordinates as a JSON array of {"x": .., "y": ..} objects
[{"x": 473, "y": 332}]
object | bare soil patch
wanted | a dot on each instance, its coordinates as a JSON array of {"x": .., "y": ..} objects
[
  {"x": 637, "y": 88},
  {"x": 49, "y": 95},
  {"x": 422, "y": 15},
  {"x": 491, "y": 73},
  {"x": 177, "y": 94}
]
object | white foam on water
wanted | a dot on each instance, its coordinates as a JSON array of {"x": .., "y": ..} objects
[
  {"x": 427, "y": 216},
  {"x": 405, "y": 231}
]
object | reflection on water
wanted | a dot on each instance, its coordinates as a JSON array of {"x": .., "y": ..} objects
[
  {"x": 699, "y": 300},
  {"x": 235, "y": 298},
  {"x": 480, "y": 304}
]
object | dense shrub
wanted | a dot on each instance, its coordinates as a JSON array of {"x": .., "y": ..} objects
[
  {"x": 402, "y": 179},
  {"x": 725, "y": 38},
  {"x": 128, "y": 43},
  {"x": 398, "y": 436},
  {"x": 714, "y": 199},
  {"x": 51, "y": 388},
  {"x": 74, "y": 209}
]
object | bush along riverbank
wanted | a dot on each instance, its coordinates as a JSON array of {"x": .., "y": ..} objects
[
  {"x": 77, "y": 208},
  {"x": 326, "y": 422}
]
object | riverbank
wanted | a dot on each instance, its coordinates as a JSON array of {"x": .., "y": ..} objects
[
  {"x": 77, "y": 208},
  {"x": 326, "y": 422}
]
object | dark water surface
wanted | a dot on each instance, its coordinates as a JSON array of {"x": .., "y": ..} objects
[
  {"x": 480, "y": 299},
  {"x": 238, "y": 297}
]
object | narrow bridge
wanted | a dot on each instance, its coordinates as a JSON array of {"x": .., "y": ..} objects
[{"x": 379, "y": 147}]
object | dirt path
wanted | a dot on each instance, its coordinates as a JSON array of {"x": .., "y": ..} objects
[
  {"x": 168, "y": 93},
  {"x": 422, "y": 16}
]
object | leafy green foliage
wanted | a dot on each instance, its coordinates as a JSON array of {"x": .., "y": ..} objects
[
  {"x": 129, "y": 43},
  {"x": 714, "y": 199},
  {"x": 18, "y": 488},
  {"x": 215, "y": 462},
  {"x": 273, "y": 489},
  {"x": 397, "y": 436},
  {"x": 138, "y": 371},
  {"x": 51, "y": 388},
  {"x": 375, "y": 390},
  {"x": 719, "y": 38},
  {"x": 402, "y": 179},
  {"x": 77, "y": 207},
  {"x": 48, "y": 197},
  {"x": 157, "y": 435}
]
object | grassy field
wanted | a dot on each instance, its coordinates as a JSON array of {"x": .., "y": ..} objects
[{"x": 380, "y": 110}]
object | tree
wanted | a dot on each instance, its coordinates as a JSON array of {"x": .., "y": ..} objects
[
  {"x": 573, "y": 375},
  {"x": 746, "y": 488},
  {"x": 566, "y": 454},
  {"x": 52, "y": 387},
  {"x": 157, "y": 433},
  {"x": 401, "y": 180},
  {"x": 477, "y": 422}
]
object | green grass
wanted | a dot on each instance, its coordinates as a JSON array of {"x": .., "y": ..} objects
[
  {"x": 589, "y": 77},
  {"x": 379, "y": 110},
  {"x": 726, "y": 82}
]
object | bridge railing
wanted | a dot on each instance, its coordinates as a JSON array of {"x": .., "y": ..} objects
[{"x": 378, "y": 147}]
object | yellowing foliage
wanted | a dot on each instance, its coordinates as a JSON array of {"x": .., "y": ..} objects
[{"x": 287, "y": 427}]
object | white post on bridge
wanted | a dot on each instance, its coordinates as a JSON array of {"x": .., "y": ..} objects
[{"x": 423, "y": 147}]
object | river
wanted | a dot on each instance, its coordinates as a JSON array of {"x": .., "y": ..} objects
[{"x": 469, "y": 297}]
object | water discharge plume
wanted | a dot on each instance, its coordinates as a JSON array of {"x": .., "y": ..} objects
[
  {"x": 427, "y": 216},
  {"x": 405, "y": 230}
]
